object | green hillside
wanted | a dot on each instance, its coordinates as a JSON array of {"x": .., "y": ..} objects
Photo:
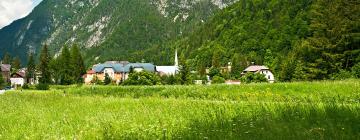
[{"x": 298, "y": 40}]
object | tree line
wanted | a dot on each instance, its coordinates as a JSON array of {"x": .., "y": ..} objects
[{"x": 66, "y": 68}]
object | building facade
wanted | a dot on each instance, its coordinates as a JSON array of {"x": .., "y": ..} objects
[
  {"x": 5, "y": 70},
  {"x": 262, "y": 70},
  {"x": 118, "y": 71}
]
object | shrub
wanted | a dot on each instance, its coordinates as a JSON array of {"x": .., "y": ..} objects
[
  {"x": 214, "y": 72},
  {"x": 253, "y": 78},
  {"x": 142, "y": 78},
  {"x": 169, "y": 80},
  {"x": 25, "y": 86},
  {"x": 356, "y": 70},
  {"x": 342, "y": 75},
  {"x": 42, "y": 87},
  {"x": 217, "y": 80}
]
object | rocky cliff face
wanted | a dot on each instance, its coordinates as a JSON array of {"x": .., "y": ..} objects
[{"x": 124, "y": 26}]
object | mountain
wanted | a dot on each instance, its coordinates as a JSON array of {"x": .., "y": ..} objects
[
  {"x": 107, "y": 29},
  {"x": 298, "y": 40}
]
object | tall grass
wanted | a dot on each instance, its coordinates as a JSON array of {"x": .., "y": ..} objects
[{"x": 318, "y": 110}]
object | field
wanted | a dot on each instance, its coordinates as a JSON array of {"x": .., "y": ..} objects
[{"x": 308, "y": 110}]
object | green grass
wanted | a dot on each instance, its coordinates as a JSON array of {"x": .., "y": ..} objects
[{"x": 312, "y": 110}]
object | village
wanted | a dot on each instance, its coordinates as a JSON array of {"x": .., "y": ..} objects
[{"x": 119, "y": 71}]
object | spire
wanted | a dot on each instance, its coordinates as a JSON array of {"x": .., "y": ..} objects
[{"x": 176, "y": 58}]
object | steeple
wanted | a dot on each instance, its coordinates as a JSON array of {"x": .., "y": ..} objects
[{"x": 176, "y": 58}]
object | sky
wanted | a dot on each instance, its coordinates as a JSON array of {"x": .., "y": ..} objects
[{"x": 11, "y": 10}]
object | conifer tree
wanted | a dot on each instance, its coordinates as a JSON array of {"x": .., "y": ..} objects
[
  {"x": 66, "y": 70},
  {"x": 216, "y": 59},
  {"x": 235, "y": 67},
  {"x": 6, "y": 58},
  {"x": 184, "y": 71},
  {"x": 30, "y": 74},
  {"x": 77, "y": 64},
  {"x": 44, "y": 66},
  {"x": 15, "y": 64},
  {"x": 107, "y": 79}
]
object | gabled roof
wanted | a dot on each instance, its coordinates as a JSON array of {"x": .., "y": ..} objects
[
  {"x": 117, "y": 67},
  {"x": 5, "y": 67},
  {"x": 19, "y": 74},
  {"x": 255, "y": 68}
]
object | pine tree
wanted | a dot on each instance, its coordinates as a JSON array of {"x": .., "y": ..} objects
[
  {"x": 6, "y": 59},
  {"x": 30, "y": 74},
  {"x": 15, "y": 64},
  {"x": 216, "y": 59},
  {"x": 66, "y": 70},
  {"x": 107, "y": 79},
  {"x": 56, "y": 67},
  {"x": 77, "y": 64},
  {"x": 184, "y": 71},
  {"x": 44, "y": 66},
  {"x": 235, "y": 67}
]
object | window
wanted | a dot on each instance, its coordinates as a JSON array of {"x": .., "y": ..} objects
[{"x": 269, "y": 77}]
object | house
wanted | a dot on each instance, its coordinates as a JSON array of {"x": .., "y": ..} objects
[
  {"x": 5, "y": 71},
  {"x": 118, "y": 71},
  {"x": 18, "y": 78},
  {"x": 169, "y": 70},
  {"x": 260, "y": 69}
]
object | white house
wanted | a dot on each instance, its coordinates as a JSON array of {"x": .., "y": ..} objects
[
  {"x": 18, "y": 79},
  {"x": 261, "y": 69}
]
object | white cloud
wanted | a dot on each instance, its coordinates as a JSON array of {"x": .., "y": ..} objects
[{"x": 11, "y": 10}]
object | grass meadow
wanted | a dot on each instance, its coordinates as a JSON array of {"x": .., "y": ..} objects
[{"x": 304, "y": 110}]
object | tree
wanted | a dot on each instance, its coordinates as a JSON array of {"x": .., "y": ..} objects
[
  {"x": 213, "y": 71},
  {"x": 269, "y": 58},
  {"x": 235, "y": 67},
  {"x": 253, "y": 78},
  {"x": 77, "y": 64},
  {"x": 2, "y": 81},
  {"x": 66, "y": 71},
  {"x": 6, "y": 58},
  {"x": 184, "y": 71},
  {"x": 16, "y": 64},
  {"x": 142, "y": 78},
  {"x": 217, "y": 80},
  {"x": 44, "y": 66},
  {"x": 30, "y": 74},
  {"x": 131, "y": 69},
  {"x": 107, "y": 79},
  {"x": 356, "y": 70},
  {"x": 216, "y": 59},
  {"x": 299, "y": 72}
]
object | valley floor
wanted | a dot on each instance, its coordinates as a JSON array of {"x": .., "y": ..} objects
[{"x": 306, "y": 110}]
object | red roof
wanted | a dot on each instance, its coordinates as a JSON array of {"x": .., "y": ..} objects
[{"x": 90, "y": 72}]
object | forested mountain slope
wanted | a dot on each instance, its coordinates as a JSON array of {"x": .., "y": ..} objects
[
  {"x": 298, "y": 40},
  {"x": 106, "y": 29}
]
